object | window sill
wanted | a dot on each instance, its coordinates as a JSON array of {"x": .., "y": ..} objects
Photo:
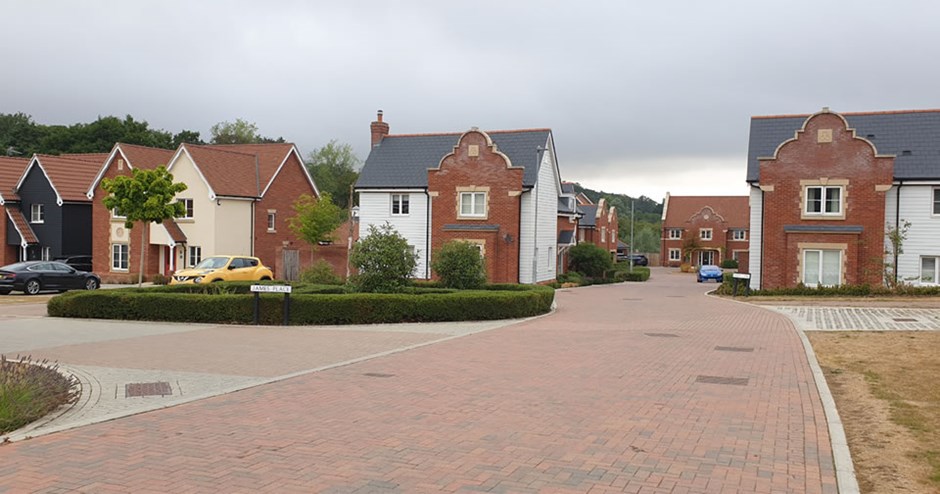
[
  {"x": 471, "y": 218},
  {"x": 820, "y": 216},
  {"x": 272, "y": 231}
]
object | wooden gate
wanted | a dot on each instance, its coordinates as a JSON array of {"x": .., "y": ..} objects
[{"x": 290, "y": 263}]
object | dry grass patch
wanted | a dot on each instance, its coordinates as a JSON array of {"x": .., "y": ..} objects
[{"x": 887, "y": 388}]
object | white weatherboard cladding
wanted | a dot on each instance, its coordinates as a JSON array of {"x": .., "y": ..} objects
[
  {"x": 526, "y": 237},
  {"x": 756, "y": 234},
  {"x": 375, "y": 208},
  {"x": 538, "y": 237},
  {"x": 923, "y": 237}
]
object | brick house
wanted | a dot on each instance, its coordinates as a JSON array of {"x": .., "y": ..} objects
[
  {"x": 599, "y": 223},
  {"x": 14, "y": 230},
  {"x": 115, "y": 249},
  {"x": 496, "y": 189},
  {"x": 825, "y": 189},
  {"x": 54, "y": 215},
  {"x": 704, "y": 230},
  {"x": 569, "y": 215}
]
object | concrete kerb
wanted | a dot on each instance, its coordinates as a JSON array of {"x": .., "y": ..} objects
[
  {"x": 841, "y": 456},
  {"x": 29, "y": 431}
]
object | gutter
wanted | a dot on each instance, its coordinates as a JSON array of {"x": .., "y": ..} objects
[
  {"x": 763, "y": 233},
  {"x": 427, "y": 236},
  {"x": 897, "y": 224}
]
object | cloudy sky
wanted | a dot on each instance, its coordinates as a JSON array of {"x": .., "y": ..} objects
[{"x": 643, "y": 97}]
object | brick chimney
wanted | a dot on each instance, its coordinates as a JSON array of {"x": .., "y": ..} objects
[{"x": 379, "y": 130}]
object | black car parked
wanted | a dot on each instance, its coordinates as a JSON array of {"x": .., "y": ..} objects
[
  {"x": 33, "y": 277},
  {"x": 638, "y": 259},
  {"x": 81, "y": 263}
]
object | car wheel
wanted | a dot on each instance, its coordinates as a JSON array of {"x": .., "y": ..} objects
[
  {"x": 91, "y": 284},
  {"x": 265, "y": 278},
  {"x": 698, "y": 280},
  {"x": 32, "y": 287}
]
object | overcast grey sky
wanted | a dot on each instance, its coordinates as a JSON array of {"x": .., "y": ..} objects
[{"x": 643, "y": 97}]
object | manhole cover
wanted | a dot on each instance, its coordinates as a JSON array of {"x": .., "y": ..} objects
[
  {"x": 147, "y": 389},
  {"x": 733, "y": 349},
  {"x": 904, "y": 319},
  {"x": 735, "y": 381},
  {"x": 377, "y": 374},
  {"x": 662, "y": 335}
]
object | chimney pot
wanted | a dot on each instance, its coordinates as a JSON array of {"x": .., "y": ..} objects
[{"x": 380, "y": 115}]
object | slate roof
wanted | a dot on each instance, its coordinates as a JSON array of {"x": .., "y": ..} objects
[
  {"x": 917, "y": 131},
  {"x": 564, "y": 207},
  {"x": 71, "y": 174},
  {"x": 734, "y": 209},
  {"x": 567, "y": 188},
  {"x": 22, "y": 226},
  {"x": 590, "y": 216},
  {"x": 11, "y": 170},
  {"x": 402, "y": 161},
  {"x": 566, "y": 237}
]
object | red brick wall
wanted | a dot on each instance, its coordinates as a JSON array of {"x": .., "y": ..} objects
[
  {"x": 101, "y": 238},
  {"x": 289, "y": 184},
  {"x": 7, "y": 252},
  {"x": 691, "y": 228},
  {"x": 489, "y": 169},
  {"x": 844, "y": 158}
]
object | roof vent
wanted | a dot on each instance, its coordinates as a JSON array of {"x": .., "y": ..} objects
[{"x": 906, "y": 152}]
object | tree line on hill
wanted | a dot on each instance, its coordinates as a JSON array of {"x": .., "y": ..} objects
[{"x": 647, "y": 218}]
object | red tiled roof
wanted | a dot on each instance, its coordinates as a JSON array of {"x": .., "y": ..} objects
[
  {"x": 734, "y": 209},
  {"x": 11, "y": 170},
  {"x": 71, "y": 175},
  {"x": 229, "y": 172},
  {"x": 22, "y": 226},
  {"x": 270, "y": 156},
  {"x": 174, "y": 230},
  {"x": 145, "y": 158}
]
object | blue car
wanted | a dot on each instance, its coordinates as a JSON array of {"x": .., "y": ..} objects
[{"x": 710, "y": 272}]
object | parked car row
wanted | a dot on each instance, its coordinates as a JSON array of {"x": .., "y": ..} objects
[{"x": 638, "y": 259}]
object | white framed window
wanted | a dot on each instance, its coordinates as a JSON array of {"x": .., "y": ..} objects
[
  {"x": 188, "y": 205},
  {"x": 194, "y": 257},
  {"x": 705, "y": 233},
  {"x": 47, "y": 253},
  {"x": 675, "y": 233},
  {"x": 929, "y": 267},
  {"x": 822, "y": 267},
  {"x": 823, "y": 200},
  {"x": 738, "y": 234},
  {"x": 675, "y": 254},
  {"x": 37, "y": 213},
  {"x": 272, "y": 221},
  {"x": 118, "y": 214},
  {"x": 401, "y": 204},
  {"x": 936, "y": 201},
  {"x": 603, "y": 234},
  {"x": 580, "y": 234},
  {"x": 120, "y": 253},
  {"x": 473, "y": 204}
]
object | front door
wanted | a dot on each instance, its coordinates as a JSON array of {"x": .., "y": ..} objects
[{"x": 706, "y": 257}]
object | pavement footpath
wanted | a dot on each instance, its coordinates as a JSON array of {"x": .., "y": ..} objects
[{"x": 647, "y": 387}]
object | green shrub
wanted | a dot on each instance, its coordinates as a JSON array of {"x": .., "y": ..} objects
[
  {"x": 729, "y": 264},
  {"x": 590, "y": 260},
  {"x": 639, "y": 273},
  {"x": 726, "y": 288},
  {"x": 320, "y": 272},
  {"x": 384, "y": 260},
  {"x": 570, "y": 277},
  {"x": 159, "y": 279},
  {"x": 425, "y": 304},
  {"x": 460, "y": 265}
]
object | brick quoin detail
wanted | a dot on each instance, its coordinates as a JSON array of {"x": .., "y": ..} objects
[
  {"x": 812, "y": 157},
  {"x": 489, "y": 169}
]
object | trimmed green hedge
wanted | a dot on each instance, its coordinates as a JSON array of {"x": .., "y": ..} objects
[
  {"x": 154, "y": 304},
  {"x": 726, "y": 288}
]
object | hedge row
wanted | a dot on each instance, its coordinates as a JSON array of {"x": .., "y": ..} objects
[
  {"x": 726, "y": 288},
  {"x": 497, "y": 302}
]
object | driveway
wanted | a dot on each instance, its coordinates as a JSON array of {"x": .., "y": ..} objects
[{"x": 648, "y": 387}]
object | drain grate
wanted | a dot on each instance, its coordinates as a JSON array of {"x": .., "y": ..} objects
[
  {"x": 735, "y": 381},
  {"x": 147, "y": 389},
  {"x": 733, "y": 349},
  {"x": 904, "y": 319},
  {"x": 377, "y": 374},
  {"x": 662, "y": 335}
]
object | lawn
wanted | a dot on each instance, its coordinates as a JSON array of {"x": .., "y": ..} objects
[{"x": 887, "y": 389}]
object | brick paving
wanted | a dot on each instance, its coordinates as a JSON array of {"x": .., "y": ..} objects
[
  {"x": 591, "y": 399},
  {"x": 862, "y": 318}
]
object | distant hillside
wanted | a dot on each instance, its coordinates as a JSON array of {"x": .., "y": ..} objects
[{"x": 646, "y": 221}]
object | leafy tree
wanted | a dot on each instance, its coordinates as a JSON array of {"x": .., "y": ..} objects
[
  {"x": 19, "y": 135},
  {"x": 645, "y": 240},
  {"x": 589, "y": 259},
  {"x": 147, "y": 196},
  {"x": 384, "y": 260},
  {"x": 460, "y": 265},
  {"x": 315, "y": 219},
  {"x": 187, "y": 137},
  {"x": 333, "y": 168},
  {"x": 237, "y": 132}
]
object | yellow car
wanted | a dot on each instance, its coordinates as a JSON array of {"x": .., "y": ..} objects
[{"x": 223, "y": 268}]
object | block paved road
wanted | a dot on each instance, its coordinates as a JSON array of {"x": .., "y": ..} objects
[{"x": 605, "y": 395}]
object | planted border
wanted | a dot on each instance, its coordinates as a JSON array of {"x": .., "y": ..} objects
[{"x": 221, "y": 305}]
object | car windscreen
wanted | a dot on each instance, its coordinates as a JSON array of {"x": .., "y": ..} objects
[{"x": 212, "y": 263}]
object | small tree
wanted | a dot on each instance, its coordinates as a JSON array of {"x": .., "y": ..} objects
[
  {"x": 895, "y": 247},
  {"x": 315, "y": 219},
  {"x": 590, "y": 260},
  {"x": 689, "y": 246},
  {"x": 384, "y": 260},
  {"x": 460, "y": 265},
  {"x": 147, "y": 196}
]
